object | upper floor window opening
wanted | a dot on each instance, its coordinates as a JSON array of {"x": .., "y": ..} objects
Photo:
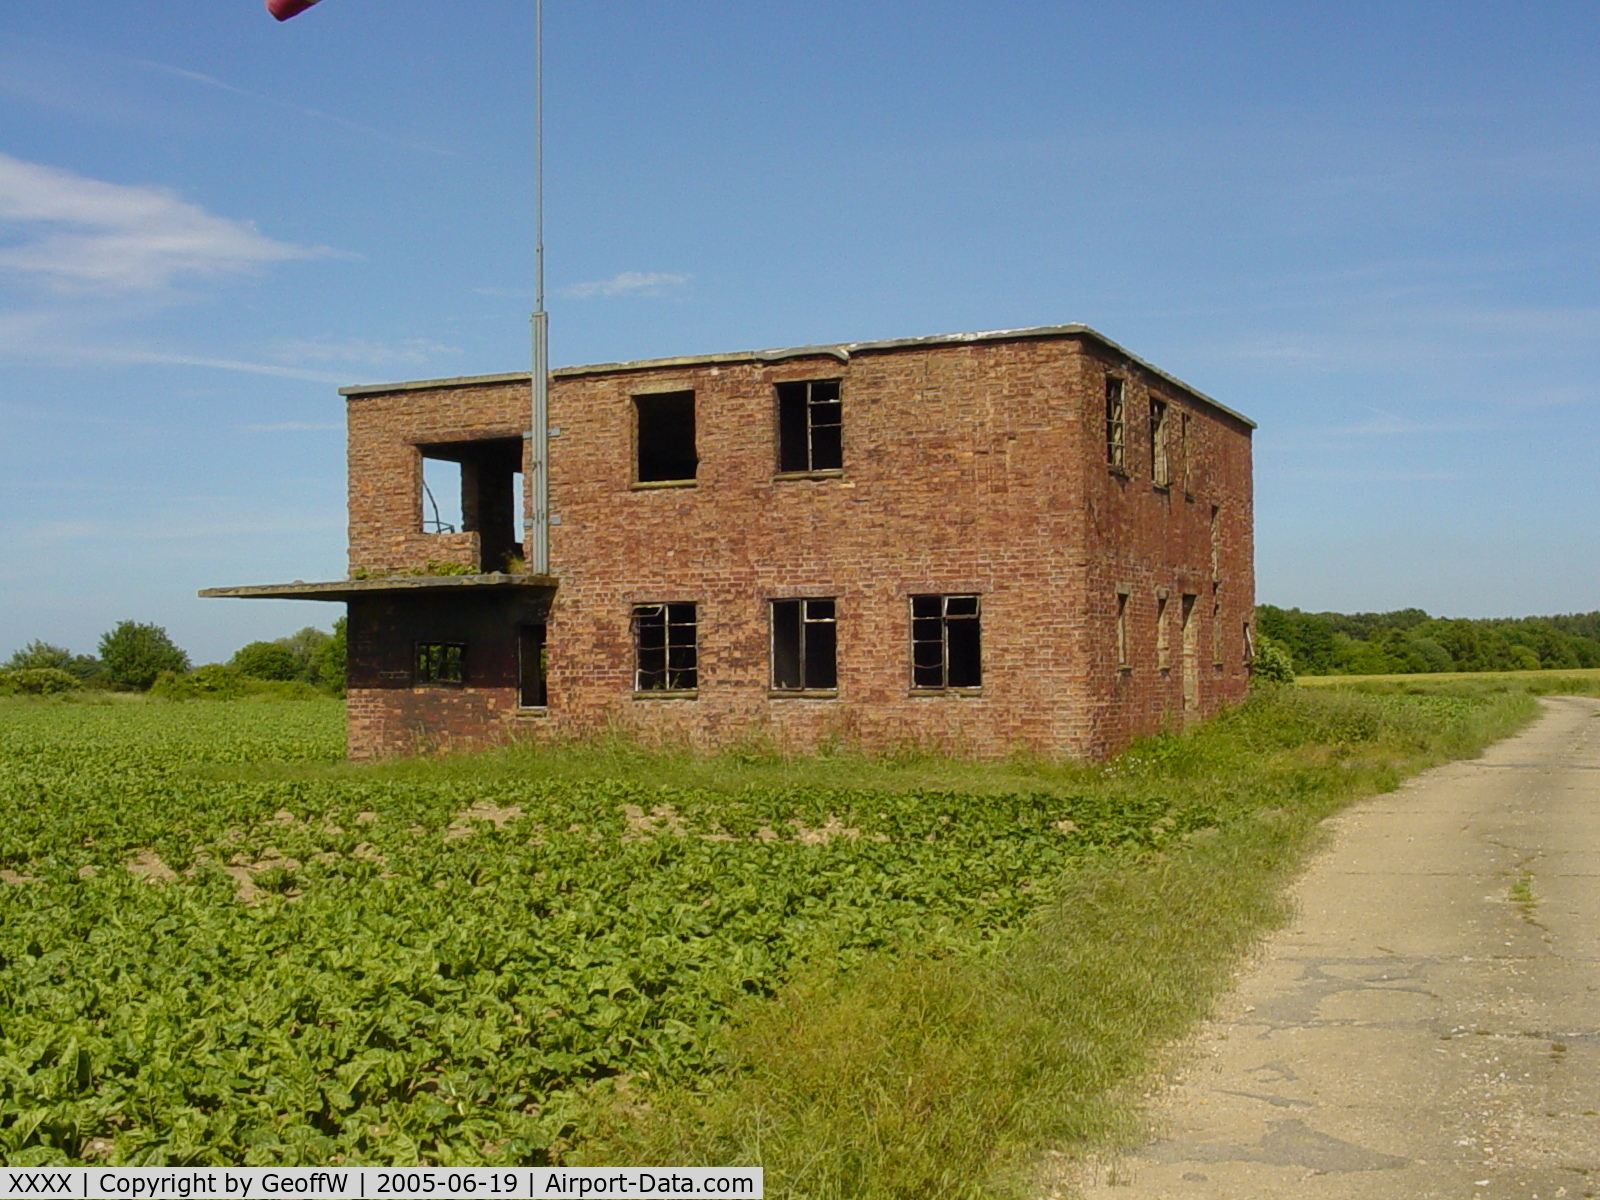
[
  {"x": 810, "y": 426},
  {"x": 1160, "y": 466},
  {"x": 473, "y": 486},
  {"x": 664, "y": 438},
  {"x": 1183, "y": 451},
  {"x": 1116, "y": 425}
]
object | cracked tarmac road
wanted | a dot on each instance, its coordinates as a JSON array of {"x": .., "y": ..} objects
[{"x": 1429, "y": 1025}]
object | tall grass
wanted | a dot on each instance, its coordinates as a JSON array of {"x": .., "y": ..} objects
[{"x": 920, "y": 1076}]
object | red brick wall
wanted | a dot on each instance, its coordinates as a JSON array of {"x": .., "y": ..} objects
[
  {"x": 1145, "y": 538},
  {"x": 386, "y": 468},
  {"x": 967, "y": 468}
]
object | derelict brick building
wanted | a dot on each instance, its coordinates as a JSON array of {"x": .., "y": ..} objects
[{"x": 1023, "y": 539}]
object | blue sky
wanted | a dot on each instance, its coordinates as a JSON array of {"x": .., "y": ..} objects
[{"x": 1370, "y": 226}]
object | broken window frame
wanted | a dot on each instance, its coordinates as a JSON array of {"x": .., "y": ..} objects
[
  {"x": 809, "y": 427},
  {"x": 653, "y": 466},
  {"x": 1183, "y": 450},
  {"x": 805, "y": 644},
  {"x": 1160, "y": 464},
  {"x": 439, "y": 664},
  {"x": 1116, "y": 423},
  {"x": 946, "y": 642},
  {"x": 666, "y": 654},
  {"x": 533, "y": 665}
]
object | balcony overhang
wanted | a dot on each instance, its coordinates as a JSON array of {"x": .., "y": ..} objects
[{"x": 415, "y": 585}]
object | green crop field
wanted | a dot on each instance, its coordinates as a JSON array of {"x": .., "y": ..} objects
[
  {"x": 198, "y": 968},
  {"x": 220, "y": 944}
]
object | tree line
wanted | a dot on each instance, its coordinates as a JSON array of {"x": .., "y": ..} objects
[
  {"x": 134, "y": 656},
  {"x": 1409, "y": 641}
]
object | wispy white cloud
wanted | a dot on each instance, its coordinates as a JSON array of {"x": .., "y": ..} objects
[
  {"x": 410, "y": 351},
  {"x": 293, "y": 427},
  {"x": 628, "y": 283},
  {"x": 317, "y": 114},
  {"x": 161, "y": 358},
  {"x": 74, "y": 234}
]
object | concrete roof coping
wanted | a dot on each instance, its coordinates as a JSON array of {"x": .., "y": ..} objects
[
  {"x": 841, "y": 352},
  {"x": 344, "y": 589}
]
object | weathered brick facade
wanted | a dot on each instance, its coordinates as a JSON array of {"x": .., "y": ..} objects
[{"x": 1112, "y": 604}]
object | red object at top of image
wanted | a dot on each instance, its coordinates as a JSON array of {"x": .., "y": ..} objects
[{"x": 284, "y": 9}]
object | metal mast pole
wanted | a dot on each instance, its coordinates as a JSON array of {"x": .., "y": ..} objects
[{"x": 539, "y": 433}]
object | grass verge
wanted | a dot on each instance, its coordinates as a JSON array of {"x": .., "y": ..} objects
[
  {"x": 919, "y": 1076},
  {"x": 1576, "y": 681}
]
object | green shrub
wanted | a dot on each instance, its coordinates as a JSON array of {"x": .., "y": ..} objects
[
  {"x": 1273, "y": 663},
  {"x": 37, "y": 654},
  {"x": 135, "y": 654},
  {"x": 306, "y": 645},
  {"x": 214, "y": 681},
  {"x": 43, "y": 681},
  {"x": 267, "y": 660}
]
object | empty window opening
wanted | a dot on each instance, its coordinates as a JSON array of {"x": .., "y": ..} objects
[
  {"x": 441, "y": 496},
  {"x": 664, "y": 438},
  {"x": 474, "y": 487},
  {"x": 1122, "y": 629},
  {"x": 1191, "y": 656},
  {"x": 810, "y": 426},
  {"x": 1216, "y": 625},
  {"x": 1216, "y": 543},
  {"x": 805, "y": 645},
  {"x": 666, "y": 658},
  {"x": 1249, "y": 645},
  {"x": 532, "y": 666},
  {"x": 1116, "y": 442},
  {"x": 1163, "y": 635},
  {"x": 1159, "y": 466},
  {"x": 945, "y": 642},
  {"x": 440, "y": 664},
  {"x": 1183, "y": 451}
]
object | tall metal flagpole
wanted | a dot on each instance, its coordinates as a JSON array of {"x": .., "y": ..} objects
[{"x": 539, "y": 433}]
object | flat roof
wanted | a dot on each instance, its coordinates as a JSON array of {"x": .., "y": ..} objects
[
  {"x": 842, "y": 351},
  {"x": 345, "y": 589}
]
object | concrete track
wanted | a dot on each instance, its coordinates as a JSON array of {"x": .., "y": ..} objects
[{"x": 1430, "y": 1024}]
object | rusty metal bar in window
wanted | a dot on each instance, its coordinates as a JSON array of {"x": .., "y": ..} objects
[
  {"x": 946, "y": 642},
  {"x": 666, "y": 654}
]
